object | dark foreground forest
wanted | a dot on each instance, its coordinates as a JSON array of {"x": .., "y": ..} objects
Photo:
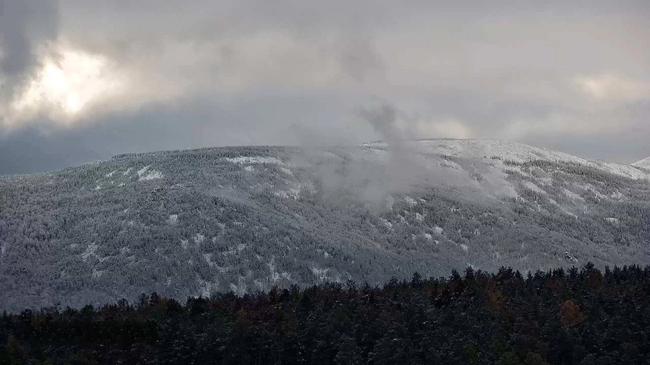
[{"x": 579, "y": 316}]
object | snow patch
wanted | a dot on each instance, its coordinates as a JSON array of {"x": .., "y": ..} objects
[
  {"x": 240, "y": 287},
  {"x": 208, "y": 259},
  {"x": 173, "y": 219},
  {"x": 573, "y": 196},
  {"x": 97, "y": 273},
  {"x": 319, "y": 273},
  {"x": 531, "y": 186},
  {"x": 290, "y": 193},
  {"x": 143, "y": 170},
  {"x": 205, "y": 288},
  {"x": 286, "y": 171},
  {"x": 258, "y": 285},
  {"x": 617, "y": 195},
  {"x": 152, "y": 175},
  {"x": 569, "y": 257},
  {"x": 410, "y": 201},
  {"x": 254, "y": 160},
  {"x": 90, "y": 251},
  {"x": 386, "y": 223},
  {"x": 645, "y": 163},
  {"x": 592, "y": 189},
  {"x": 325, "y": 254},
  {"x": 567, "y": 212},
  {"x": 198, "y": 238},
  {"x": 275, "y": 276}
]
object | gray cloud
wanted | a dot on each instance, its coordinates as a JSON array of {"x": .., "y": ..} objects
[
  {"x": 565, "y": 75},
  {"x": 24, "y": 25},
  {"x": 194, "y": 122}
]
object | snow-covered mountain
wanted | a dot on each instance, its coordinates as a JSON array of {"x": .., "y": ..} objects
[
  {"x": 246, "y": 218},
  {"x": 645, "y": 163}
]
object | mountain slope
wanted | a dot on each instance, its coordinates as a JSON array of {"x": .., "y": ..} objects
[
  {"x": 645, "y": 163},
  {"x": 243, "y": 219}
]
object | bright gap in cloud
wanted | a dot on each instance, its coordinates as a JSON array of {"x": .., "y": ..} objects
[
  {"x": 66, "y": 87},
  {"x": 612, "y": 87}
]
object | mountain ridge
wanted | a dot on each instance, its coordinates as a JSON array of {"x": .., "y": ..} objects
[
  {"x": 196, "y": 222},
  {"x": 645, "y": 163},
  {"x": 566, "y": 157}
]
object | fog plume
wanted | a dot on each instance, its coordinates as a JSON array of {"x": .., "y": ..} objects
[
  {"x": 402, "y": 162},
  {"x": 410, "y": 165}
]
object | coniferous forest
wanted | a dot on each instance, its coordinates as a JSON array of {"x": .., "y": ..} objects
[
  {"x": 198, "y": 222},
  {"x": 575, "y": 316}
]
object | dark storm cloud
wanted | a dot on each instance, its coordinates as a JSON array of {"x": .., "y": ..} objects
[
  {"x": 190, "y": 123},
  {"x": 24, "y": 25}
]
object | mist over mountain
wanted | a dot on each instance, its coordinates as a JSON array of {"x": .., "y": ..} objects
[{"x": 243, "y": 219}]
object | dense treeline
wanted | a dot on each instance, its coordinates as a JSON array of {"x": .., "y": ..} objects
[{"x": 557, "y": 317}]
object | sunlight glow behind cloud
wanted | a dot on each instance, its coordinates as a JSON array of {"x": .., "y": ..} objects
[
  {"x": 66, "y": 87},
  {"x": 612, "y": 87}
]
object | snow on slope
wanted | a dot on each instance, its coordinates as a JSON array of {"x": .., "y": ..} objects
[
  {"x": 487, "y": 150},
  {"x": 210, "y": 220},
  {"x": 645, "y": 163},
  {"x": 254, "y": 160}
]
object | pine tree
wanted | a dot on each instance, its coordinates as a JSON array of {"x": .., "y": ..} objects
[{"x": 349, "y": 352}]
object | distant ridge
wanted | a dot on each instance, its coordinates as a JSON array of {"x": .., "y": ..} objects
[
  {"x": 645, "y": 163},
  {"x": 511, "y": 151},
  {"x": 244, "y": 219}
]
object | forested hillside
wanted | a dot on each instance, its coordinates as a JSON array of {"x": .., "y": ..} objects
[
  {"x": 555, "y": 317},
  {"x": 197, "y": 222}
]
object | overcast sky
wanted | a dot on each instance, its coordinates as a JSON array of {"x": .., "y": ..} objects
[{"x": 82, "y": 79}]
